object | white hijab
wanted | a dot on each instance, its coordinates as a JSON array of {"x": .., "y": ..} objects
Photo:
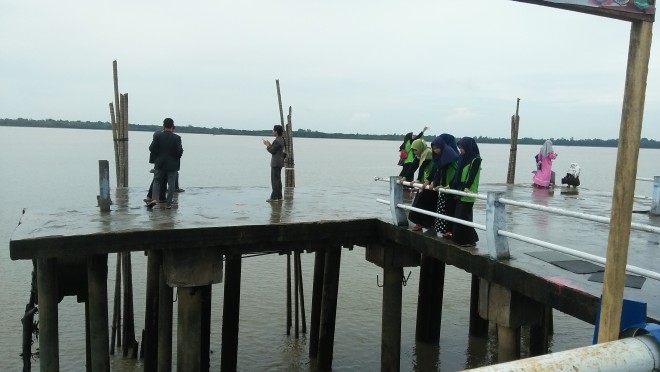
[{"x": 546, "y": 148}]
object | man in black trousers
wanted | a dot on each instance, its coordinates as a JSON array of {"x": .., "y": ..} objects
[{"x": 166, "y": 150}]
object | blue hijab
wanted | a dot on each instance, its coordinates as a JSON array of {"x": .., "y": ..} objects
[
  {"x": 449, "y": 153},
  {"x": 471, "y": 149}
]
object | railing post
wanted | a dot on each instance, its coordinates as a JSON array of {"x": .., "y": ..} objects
[
  {"x": 396, "y": 198},
  {"x": 655, "y": 203},
  {"x": 498, "y": 246}
]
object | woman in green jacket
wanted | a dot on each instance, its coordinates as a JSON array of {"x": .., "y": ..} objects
[
  {"x": 426, "y": 198},
  {"x": 410, "y": 163},
  {"x": 466, "y": 179},
  {"x": 445, "y": 158}
]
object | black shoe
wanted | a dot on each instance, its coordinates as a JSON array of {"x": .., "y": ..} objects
[{"x": 179, "y": 190}]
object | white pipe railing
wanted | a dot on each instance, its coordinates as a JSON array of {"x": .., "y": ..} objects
[{"x": 497, "y": 246}]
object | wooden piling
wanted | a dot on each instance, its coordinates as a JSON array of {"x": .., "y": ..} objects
[
  {"x": 296, "y": 275},
  {"x": 508, "y": 343},
  {"x": 104, "y": 186},
  {"x": 288, "y": 293},
  {"x": 47, "y": 287},
  {"x": 189, "y": 327},
  {"x": 390, "y": 350},
  {"x": 626, "y": 170},
  {"x": 129, "y": 343},
  {"x": 289, "y": 162},
  {"x": 302, "y": 296},
  {"x": 317, "y": 295},
  {"x": 230, "y": 313},
  {"x": 329, "y": 308},
  {"x": 205, "y": 355},
  {"x": 429, "y": 300},
  {"x": 28, "y": 322},
  {"x": 116, "y": 310},
  {"x": 165, "y": 293},
  {"x": 150, "y": 340},
  {"x": 515, "y": 125},
  {"x": 539, "y": 333},
  {"x": 478, "y": 325},
  {"x": 97, "y": 299}
]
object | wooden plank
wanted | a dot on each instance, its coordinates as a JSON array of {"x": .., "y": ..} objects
[{"x": 602, "y": 12}]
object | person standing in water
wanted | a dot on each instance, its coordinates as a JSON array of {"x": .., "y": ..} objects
[
  {"x": 543, "y": 175},
  {"x": 276, "y": 163}
]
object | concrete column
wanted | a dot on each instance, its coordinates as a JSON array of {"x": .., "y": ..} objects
[
  {"x": 150, "y": 342},
  {"x": 189, "y": 328},
  {"x": 390, "y": 350},
  {"x": 165, "y": 293},
  {"x": 429, "y": 300},
  {"x": 230, "y": 313}
]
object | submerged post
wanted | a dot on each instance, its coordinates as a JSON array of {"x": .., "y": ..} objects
[
  {"x": 104, "y": 186},
  {"x": 515, "y": 124}
]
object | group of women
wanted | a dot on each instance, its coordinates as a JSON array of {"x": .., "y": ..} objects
[{"x": 446, "y": 164}]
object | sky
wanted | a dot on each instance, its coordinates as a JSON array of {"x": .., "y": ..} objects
[{"x": 369, "y": 67}]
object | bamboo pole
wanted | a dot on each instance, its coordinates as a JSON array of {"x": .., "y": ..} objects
[
  {"x": 279, "y": 101},
  {"x": 289, "y": 171},
  {"x": 302, "y": 296},
  {"x": 115, "y": 141},
  {"x": 116, "y": 311},
  {"x": 296, "y": 276},
  {"x": 626, "y": 171},
  {"x": 124, "y": 118}
]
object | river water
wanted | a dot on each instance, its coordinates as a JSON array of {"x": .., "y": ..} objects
[{"x": 58, "y": 168}]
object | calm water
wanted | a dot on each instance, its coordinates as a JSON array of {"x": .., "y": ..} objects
[{"x": 53, "y": 168}]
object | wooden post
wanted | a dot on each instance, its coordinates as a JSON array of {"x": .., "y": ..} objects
[
  {"x": 626, "y": 170},
  {"x": 289, "y": 170},
  {"x": 317, "y": 293},
  {"x": 478, "y": 325},
  {"x": 296, "y": 275},
  {"x": 129, "y": 322},
  {"x": 150, "y": 341},
  {"x": 113, "y": 121},
  {"x": 88, "y": 344},
  {"x": 390, "y": 349},
  {"x": 49, "y": 358},
  {"x": 97, "y": 292},
  {"x": 28, "y": 322},
  {"x": 104, "y": 186},
  {"x": 288, "y": 293},
  {"x": 165, "y": 293},
  {"x": 515, "y": 124},
  {"x": 302, "y": 296},
  {"x": 329, "y": 308},
  {"x": 429, "y": 300},
  {"x": 205, "y": 356},
  {"x": 230, "y": 313},
  {"x": 279, "y": 101},
  {"x": 539, "y": 333},
  {"x": 189, "y": 322},
  {"x": 116, "y": 312}
]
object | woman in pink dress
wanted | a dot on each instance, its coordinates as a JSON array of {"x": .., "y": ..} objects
[{"x": 543, "y": 175}]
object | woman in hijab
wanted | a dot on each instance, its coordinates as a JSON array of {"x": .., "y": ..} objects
[
  {"x": 543, "y": 175},
  {"x": 410, "y": 162},
  {"x": 445, "y": 158},
  {"x": 466, "y": 179},
  {"x": 426, "y": 199}
]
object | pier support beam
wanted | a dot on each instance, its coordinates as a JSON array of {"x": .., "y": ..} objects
[
  {"x": 189, "y": 329},
  {"x": 165, "y": 294},
  {"x": 230, "y": 313},
  {"x": 150, "y": 342},
  {"x": 49, "y": 358},
  {"x": 317, "y": 297},
  {"x": 478, "y": 325},
  {"x": 390, "y": 349},
  {"x": 97, "y": 300},
  {"x": 328, "y": 308},
  {"x": 429, "y": 300}
]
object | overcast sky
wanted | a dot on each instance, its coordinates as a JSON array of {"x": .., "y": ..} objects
[{"x": 375, "y": 67}]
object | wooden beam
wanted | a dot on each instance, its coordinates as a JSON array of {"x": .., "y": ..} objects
[{"x": 602, "y": 12}]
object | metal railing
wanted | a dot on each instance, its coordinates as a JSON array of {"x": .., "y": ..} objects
[{"x": 495, "y": 227}]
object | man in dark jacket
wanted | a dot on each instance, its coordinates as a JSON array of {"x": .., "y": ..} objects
[
  {"x": 166, "y": 150},
  {"x": 276, "y": 149}
]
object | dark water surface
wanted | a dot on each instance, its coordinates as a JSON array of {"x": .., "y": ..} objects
[{"x": 58, "y": 168}]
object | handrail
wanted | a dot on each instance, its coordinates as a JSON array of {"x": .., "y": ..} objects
[{"x": 492, "y": 203}]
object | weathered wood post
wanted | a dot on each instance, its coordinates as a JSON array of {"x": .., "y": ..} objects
[
  {"x": 429, "y": 300},
  {"x": 104, "y": 186},
  {"x": 289, "y": 162},
  {"x": 515, "y": 124},
  {"x": 317, "y": 293},
  {"x": 150, "y": 341},
  {"x": 116, "y": 312},
  {"x": 97, "y": 299},
  {"x": 302, "y": 296},
  {"x": 189, "y": 328},
  {"x": 296, "y": 276},
  {"x": 47, "y": 287},
  {"x": 329, "y": 308},
  {"x": 626, "y": 168},
  {"x": 390, "y": 347},
  {"x": 165, "y": 293},
  {"x": 288, "y": 293},
  {"x": 230, "y": 313}
]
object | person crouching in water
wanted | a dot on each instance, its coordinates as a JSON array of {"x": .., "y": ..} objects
[
  {"x": 425, "y": 199},
  {"x": 466, "y": 179},
  {"x": 543, "y": 175},
  {"x": 572, "y": 176},
  {"x": 445, "y": 157}
]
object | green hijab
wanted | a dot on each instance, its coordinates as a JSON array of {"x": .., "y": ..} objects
[{"x": 421, "y": 147}]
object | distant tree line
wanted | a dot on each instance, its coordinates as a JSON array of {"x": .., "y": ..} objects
[{"x": 306, "y": 133}]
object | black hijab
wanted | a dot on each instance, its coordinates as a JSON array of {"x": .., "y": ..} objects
[{"x": 469, "y": 145}]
